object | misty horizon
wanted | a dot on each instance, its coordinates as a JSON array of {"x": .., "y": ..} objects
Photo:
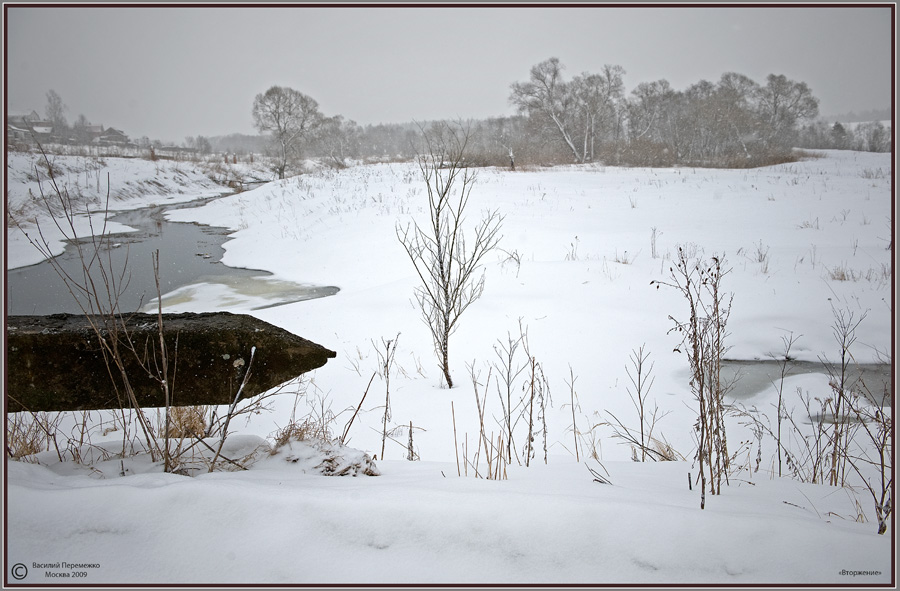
[{"x": 168, "y": 72}]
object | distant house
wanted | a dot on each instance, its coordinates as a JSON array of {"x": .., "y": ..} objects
[
  {"x": 15, "y": 133},
  {"x": 42, "y": 129},
  {"x": 112, "y": 136},
  {"x": 85, "y": 134},
  {"x": 27, "y": 126},
  {"x": 23, "y": 119},
  {"x": 24, "y": 131}
]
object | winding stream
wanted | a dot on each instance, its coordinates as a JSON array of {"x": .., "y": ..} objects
[
  {"x": 752, "y": 377},
  {"x": 190, "y": 263}
]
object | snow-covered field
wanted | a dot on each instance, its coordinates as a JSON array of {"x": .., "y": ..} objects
[{"x": 575, "y": 271}]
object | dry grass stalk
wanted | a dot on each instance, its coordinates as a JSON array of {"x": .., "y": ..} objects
[
  {"x": 842, "y": 385},
  {"x": 185, "y": 422},
  {"x": 96, "y": 289},
  {"x": 494, "y": 449},
  {"x": 385, "y": 365},
  {"x": 508, "y": 371},
  {"x": 875, "y": 452},
  {"x": 356, "y": 412},
  {"x": 455, "y": 444},
  {"x": 302, "y": 430},
  {"x": 231, "y": 409},
  {"x": 30, "y": 433},
  {"x": 536, "y": 398},
  {"x": 573, "y": 404},
  {"x": 703, "y": 337},
  {"x": 642, "y": 381},
  {"x": 804, "y": 442}
]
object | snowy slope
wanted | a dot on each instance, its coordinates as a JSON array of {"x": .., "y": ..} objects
[
  {"x": 546, "y": 524},
  {"x": 128, "y": 183}
]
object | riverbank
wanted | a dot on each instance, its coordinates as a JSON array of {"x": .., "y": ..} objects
[
  {"x": 129, "y": 183},
  {"x": 190, "y": 264}
]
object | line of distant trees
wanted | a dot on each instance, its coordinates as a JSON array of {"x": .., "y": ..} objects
[
  {"x": 735, "y": 122},
  {"x": 871, "y": 136}
]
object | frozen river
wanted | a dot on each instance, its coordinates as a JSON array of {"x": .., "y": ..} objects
[{"x": 189, "y": 254}]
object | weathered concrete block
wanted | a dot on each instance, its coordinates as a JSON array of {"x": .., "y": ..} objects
[{"x": 56, "y": 363}]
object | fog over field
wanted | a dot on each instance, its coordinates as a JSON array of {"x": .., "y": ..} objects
[{"x": 178, "y": 72}]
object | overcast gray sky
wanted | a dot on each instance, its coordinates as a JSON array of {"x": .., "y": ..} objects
[{"x": 168, "y": 72}]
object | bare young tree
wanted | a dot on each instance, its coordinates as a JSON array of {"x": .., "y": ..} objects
[
  {"x": 56, "y": 112},
  {"x": 290, "y": 116},
  {"x": 446, "y": 260}
]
